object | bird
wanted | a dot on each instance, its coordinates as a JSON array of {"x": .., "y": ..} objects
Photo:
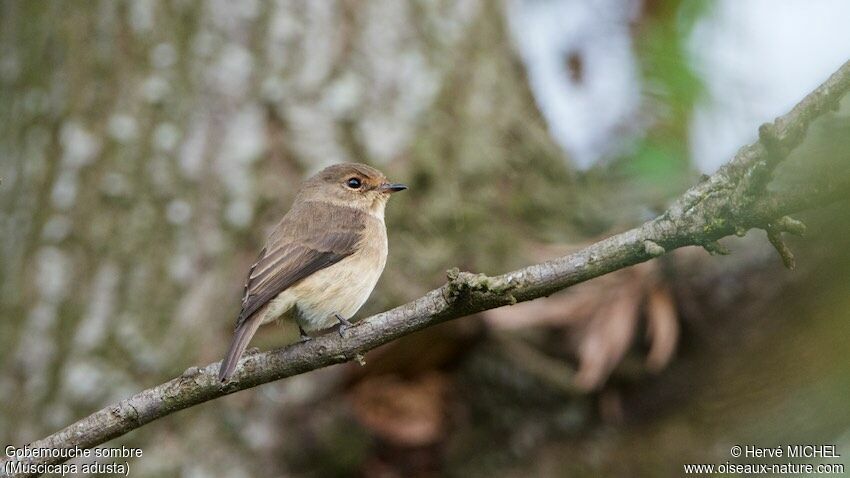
[{"x": 322, "y": 260}]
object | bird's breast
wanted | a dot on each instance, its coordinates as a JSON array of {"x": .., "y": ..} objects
[{"x": 343, "y": 287}]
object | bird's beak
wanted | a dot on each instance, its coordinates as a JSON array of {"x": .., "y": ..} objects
[{"x": 392, "y": 187}]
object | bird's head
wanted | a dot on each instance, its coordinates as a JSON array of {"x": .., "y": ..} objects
[{"x": 351, "y": 184}]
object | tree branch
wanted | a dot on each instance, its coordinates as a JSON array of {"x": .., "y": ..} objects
[{"x": 732, "y": 201}]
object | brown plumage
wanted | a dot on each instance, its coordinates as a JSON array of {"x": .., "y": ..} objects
[{"x": 322, "y": 260}]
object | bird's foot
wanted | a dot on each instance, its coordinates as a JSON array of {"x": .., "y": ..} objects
[
  {"x": 344, "y": 324},
  {"x": 303, "y": 336}
]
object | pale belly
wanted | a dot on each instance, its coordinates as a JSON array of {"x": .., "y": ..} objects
[{"x": 339, "y": 289}]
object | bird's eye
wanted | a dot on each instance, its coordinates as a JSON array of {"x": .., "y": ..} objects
[{"x": 353, "y": 183}]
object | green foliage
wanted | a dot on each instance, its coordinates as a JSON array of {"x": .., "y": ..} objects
[{"x": 660, "y": 158}]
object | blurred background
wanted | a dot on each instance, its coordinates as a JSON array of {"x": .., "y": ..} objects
[{"x": 147, "y": 148}]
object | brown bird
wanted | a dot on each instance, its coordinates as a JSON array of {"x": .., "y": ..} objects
[{"x": 321, "y": 262}]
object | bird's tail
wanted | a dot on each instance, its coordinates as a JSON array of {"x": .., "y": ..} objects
[{"x": 241, "y": 336}]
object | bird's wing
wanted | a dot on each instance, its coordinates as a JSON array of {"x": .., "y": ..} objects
[{"x": 299, "y": 246}]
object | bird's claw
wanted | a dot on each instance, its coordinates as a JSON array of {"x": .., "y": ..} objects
[
  {"x": 303, "y": 336},
  {"x": 344, "y": 325}
]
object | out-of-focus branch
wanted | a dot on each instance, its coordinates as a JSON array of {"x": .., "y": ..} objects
[{"x": 732, "y": 201}]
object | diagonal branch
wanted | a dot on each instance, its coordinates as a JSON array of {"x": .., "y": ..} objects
[{"x": 732, "y": 201}]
